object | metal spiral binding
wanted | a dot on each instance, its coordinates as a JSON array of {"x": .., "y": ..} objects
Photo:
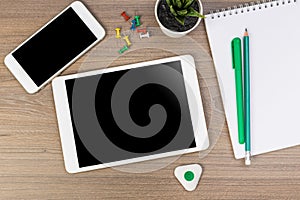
[{"x": 248, "y": 7}]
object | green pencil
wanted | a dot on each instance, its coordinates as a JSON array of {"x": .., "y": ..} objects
[{"x": 247, "y": 98}]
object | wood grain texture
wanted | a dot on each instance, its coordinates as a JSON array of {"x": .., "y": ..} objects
[{"x": 31, "y": 163}]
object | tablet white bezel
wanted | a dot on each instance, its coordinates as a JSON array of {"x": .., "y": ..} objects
[
  {"x": 66, "y": 129},
  {"x": 18, "y": 71}
]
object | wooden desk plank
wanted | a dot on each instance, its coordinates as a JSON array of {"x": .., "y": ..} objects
[{"x": 31, "y": 163}]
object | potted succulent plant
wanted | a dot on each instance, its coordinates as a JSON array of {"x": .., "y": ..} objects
[{"x": 177, "y": 18}]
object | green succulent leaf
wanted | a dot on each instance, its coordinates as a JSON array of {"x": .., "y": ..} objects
[
  {"x": 173, "y": 11},
  {"x": 188, "y": 4},
  {"x": 178, "y": 3},
  {"x": 193, "y": 13},
  {"x": 182, "y": 12},
  {"x": 180, "y": 19},
  {"x": 169, "y": 2}
]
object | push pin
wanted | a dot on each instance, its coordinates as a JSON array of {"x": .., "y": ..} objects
[
  {"x": 144, "y": 35},
  {"x": 126, "y": 38},
  {"x": 118, "y": 33},
  {"x": 142, "y": 30},
  {"x": 125, "y": 48},
  {"x": 133, "y": 25},
  {"x": 126, "y": 17},
  {"x": 137, "y": 19}
]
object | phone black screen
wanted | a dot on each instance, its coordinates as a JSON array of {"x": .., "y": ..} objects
[{"x": 54, "y": 46}]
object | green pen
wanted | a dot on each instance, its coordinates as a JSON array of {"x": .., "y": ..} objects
[
  {"x": 236, "y": 51},
  {"x": 247, "y": 98}
]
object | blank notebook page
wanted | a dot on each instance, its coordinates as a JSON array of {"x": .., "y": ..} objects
[{"x": 274, "y": 31}]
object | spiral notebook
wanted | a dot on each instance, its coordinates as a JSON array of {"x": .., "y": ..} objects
[{"x": 274, "y": 30}]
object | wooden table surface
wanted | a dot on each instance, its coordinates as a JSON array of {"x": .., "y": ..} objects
[{"x": 31, "y": 162}]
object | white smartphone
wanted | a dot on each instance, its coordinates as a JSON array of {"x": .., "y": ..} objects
[
  {"x": 54, "y": 47},
  {"x": 130, "y": 113}
]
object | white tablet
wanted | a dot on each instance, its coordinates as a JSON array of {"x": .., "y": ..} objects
[
  {"x": 130, "y": 113},
  {"x": 54, "y": 47}
]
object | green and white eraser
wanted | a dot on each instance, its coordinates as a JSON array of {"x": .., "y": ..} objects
[{"x": 188, "y": 175}]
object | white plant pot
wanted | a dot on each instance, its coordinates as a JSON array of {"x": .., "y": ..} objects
[{"x": 176, "y": 34}]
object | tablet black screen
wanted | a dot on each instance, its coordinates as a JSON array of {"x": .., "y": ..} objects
[{"x": 130, "y": 113}]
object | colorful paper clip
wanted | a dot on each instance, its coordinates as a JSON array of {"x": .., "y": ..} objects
[
  {"x": 118, "y": 33},
  {"x": 144, "y": 35},
  {"x": 137, "y": 19},
  {"x": 126, "y": 38},
  {"x": 125, "y": 48},
  {"x": 142, "y": 30},
  {"x": 133, "y": 25},
  {"x": 126, "y": 17}
]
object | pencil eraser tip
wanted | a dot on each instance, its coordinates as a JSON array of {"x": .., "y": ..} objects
[{"x": 247, "y": 162}]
